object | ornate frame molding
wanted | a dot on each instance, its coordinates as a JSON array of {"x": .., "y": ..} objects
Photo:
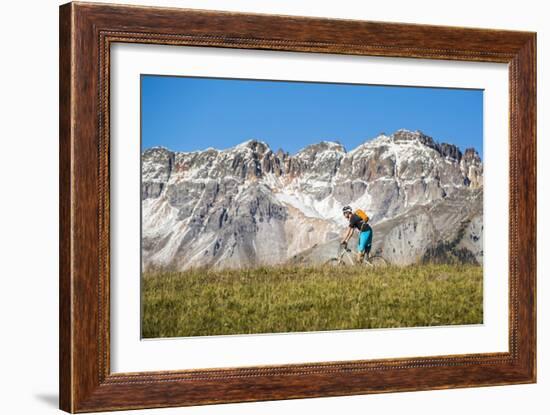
[{"x": 86, "y": 33}]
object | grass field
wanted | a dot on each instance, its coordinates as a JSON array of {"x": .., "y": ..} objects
[{"x": 294, "y": 299}]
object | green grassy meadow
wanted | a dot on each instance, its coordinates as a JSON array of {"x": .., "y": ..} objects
[{"x": 296, "y": 299}]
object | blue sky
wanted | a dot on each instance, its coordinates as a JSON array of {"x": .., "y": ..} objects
[{"x": 187, "y": 114}]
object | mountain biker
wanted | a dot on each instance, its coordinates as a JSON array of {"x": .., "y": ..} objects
[{"x": 365, "y": 233}]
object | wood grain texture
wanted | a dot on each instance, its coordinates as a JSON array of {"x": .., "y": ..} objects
[
  {"x": 65, "y": 138},
  {"x": 86, "y": 33}
]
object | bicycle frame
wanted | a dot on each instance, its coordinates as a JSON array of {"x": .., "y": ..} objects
[
  {"x": 345, "y": 257},
  {"x": 345, "y": 252}
]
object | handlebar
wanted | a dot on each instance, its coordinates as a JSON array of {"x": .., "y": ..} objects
[{"x": 344, "y": 246}]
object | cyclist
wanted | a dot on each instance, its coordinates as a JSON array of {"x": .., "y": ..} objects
[{"x": 365, "y": 233}]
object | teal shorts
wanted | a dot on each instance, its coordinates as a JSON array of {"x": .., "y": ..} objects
[{"x": 365, "y": 241}]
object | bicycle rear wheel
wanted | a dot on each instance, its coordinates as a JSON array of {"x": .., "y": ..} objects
[{"x": 378, "y": 261}]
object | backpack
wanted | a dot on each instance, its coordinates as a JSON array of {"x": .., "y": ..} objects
[{"x": 364, "y": 217}]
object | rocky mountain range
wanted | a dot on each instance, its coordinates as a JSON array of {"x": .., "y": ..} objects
[{"x": 248, "y": 205}]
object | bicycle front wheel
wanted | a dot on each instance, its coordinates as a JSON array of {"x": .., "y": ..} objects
[{"x": 334, "y": 262}]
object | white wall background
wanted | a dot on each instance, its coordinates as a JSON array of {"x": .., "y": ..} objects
[{"x": 29, "y": 203}]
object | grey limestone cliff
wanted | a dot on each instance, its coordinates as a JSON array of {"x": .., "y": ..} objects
[{"x": 248, "y": 205}]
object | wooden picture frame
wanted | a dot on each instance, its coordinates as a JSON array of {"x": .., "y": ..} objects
[{"x": 86, "y": 33}]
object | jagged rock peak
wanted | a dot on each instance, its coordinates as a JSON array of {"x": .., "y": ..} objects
[
  {"x": 281, "y": 153},
  {"x": 256, "y": 146},
  {"x": 156, "y": 150},
  {"x": 404, "y": 135},
  {"x": 451, "y": 151},
  {"x": 445, "y": 149},
  {"x": 470, "y": 154},
  {"x": 323, "y": 146}
]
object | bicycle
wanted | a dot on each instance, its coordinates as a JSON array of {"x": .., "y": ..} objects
[{"x": 344, "y": 257}]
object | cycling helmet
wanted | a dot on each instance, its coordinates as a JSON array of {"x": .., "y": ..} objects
[{"x": 347, "y": 209}]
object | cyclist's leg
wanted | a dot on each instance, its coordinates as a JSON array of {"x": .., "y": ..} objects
[
  {"x": 361, "y": 246},
  {"x": 368, "y": 243},
  {"x": 367, "y": 251},
  {"x": 364, "y": 245}
]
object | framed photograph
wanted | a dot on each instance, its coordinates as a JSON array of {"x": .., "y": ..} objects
[{"x": 258, "y": 207}]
